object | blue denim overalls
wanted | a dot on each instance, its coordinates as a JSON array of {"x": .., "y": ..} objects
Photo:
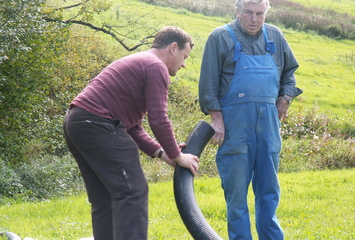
[{"x": 250, "y": 151}]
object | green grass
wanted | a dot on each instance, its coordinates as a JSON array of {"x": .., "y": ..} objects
[
  {"x": 314, "y": 205},
  {"x": 342, "y": 6},
  {"x": 326, "y": 73}
]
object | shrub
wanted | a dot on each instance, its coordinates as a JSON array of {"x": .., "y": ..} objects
[
  {"x": 40, "y": 178},
  {"x": 10, "y": 182},
  {"x": 317, "y": 141},
  {"x": 317, "y": 154},
  {"x": 309, "y": 124}
]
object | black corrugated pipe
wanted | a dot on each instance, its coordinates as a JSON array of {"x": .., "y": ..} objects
[{"x": 185, "y": 199}]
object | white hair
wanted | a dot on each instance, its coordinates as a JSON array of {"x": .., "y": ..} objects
[{"x": 241, "y": 3}]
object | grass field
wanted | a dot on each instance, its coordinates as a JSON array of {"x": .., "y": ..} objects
[
  {"x": 314, "y": 205},
  {"x": 342, "y": 6}
]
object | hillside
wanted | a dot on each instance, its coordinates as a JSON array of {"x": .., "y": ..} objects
[{"x": 327, "y": 65}]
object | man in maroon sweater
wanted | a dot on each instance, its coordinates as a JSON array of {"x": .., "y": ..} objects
[{"x": 103, "y": 130}]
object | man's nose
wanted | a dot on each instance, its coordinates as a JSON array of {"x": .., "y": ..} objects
[{"x": 254, "y": 17}]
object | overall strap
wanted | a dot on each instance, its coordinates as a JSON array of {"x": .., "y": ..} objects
[
  {"x": 269, "y": 45},
  {"x": 238, "y": 46}
]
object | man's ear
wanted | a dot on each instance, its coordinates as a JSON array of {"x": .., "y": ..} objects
[{"x": 173, "y": 47}]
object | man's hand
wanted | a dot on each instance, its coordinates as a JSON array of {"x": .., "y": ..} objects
[
  {"x": 184, "y": 160},
  {"x": 189, "y": 161},
  {"x": 218, "y": 125},
  {"x": 282, "y": 108}
]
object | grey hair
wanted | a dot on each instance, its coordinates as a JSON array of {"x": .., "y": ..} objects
[{"x": 241, "y": 3}]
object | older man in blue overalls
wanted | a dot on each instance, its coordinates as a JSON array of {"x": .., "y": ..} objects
[{"x": 246, "y": 85}]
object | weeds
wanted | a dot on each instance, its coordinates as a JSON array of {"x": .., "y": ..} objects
[
  {"x": 42, "y": 177},
  {"x": 315, "y": 141}
]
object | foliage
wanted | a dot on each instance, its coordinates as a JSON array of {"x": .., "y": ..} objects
[
  {"x": 314, "y": 141},
  {"x": 43, "y": 177},
  {"x": 29, "y": 60},
  {"x": 42, "y": 68},
  {"x": 317, "y": 154},
  {"x": 10, "y": 182},
  {"x": 15, "y": 30},
  {"x": 309, "y": 124}
]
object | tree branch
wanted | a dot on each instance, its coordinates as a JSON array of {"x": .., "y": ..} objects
[
  {"x": 100, "y": 29},
  {"x": 71, "y": 6}
]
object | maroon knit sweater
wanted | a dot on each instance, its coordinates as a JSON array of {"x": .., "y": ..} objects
[{"x": 127, "y": 90}]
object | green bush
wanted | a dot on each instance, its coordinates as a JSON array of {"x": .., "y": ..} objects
[
  {"x": 310, "y": 124},
  {"x": 317, "y": 141},
  {"x": 317, "y": 154},
  {"x": 40, "y": 178},
  {"x": 10, "y": 182}
]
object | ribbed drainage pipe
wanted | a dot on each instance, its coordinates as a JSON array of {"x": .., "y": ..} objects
[{"x": 185, "y": 199}]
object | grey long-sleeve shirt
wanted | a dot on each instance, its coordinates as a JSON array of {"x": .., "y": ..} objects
[{"x": 217, "y": 67}]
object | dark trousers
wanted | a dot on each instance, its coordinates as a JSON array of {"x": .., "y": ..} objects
[{"x": 108, "y": 160}]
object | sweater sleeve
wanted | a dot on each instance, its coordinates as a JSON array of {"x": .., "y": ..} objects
[
  {"x": 145, "y": 142},
  {"x": 158, "y": 81},
  {"x": 156, "y": 98}
]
